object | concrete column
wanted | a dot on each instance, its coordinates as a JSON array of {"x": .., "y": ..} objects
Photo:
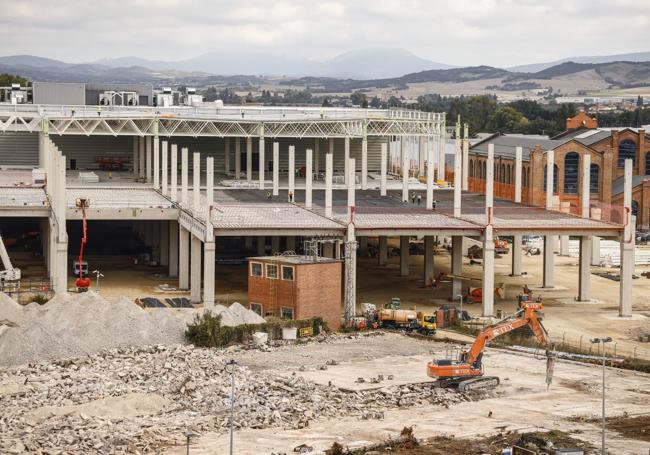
[
  {"x": 308, "y": 177},
  {"x": 275, "y": 244},
  {"x": 156, "y": 162},
  {"x": 185, "y": 200},
  {"x": 488, "y": 271},
  {"x": 405, "y": 170},
  {"x": 627, "y": 245},
  {"x": 209, "y": 196},
  {"x": 261, "y": 245},
  {"x": 164, "y": 243},
  {"x": 195, "y": 269},
  {"x": 61, "y": 248},
  {"x": 328, "y": 184},
  {"x": 456, "y": 265},
  {"x": 291, "y": 243},
  {"x": 174, "y": 173},
  {"x": 337, "y": 249},
  {"x": 173, "y": 248},
  {"x": 346, "y": 162},
  {"x": 441, "y": 151},
  {"x": 292, "y": 172},
  {"x": 196, "y": 182},
  {"x": 489, "y": 182},
  {"x": 404, "y": 255},
  {"x": 421, "y": 155},
  {"x": 142, "y": 155},
  {"x": 350, "y": 283},
  {"x": 549, "y": 269},
  {"x": 136, "y": 156},
  {"x": 209, "y": 258},
  {"x": 237, "y": 158},
  {"x": 351, "y": 189},
  {"x": 364, "y": 159},
  {"x": 249, "y": 159},
  {"x": 430, "y": 171},
  {"x": 517, "y": 242},
  {"x": 164, "y": 168},
  {"x": 248, "y": 242},
  {"x": 363, "y": 246},
  {"x": 465, "y": 157},
  {"x": 584, "y": 274},
  {"x": 262, "y": 162},
  {"x": 384, "y": 170},
  {"x": 458, "y": 177},
  {"x": 428, "y": 261},
  {"x": 226, "y": 160},
  {"x": 317, "y": 155},
  {"x": 148, "y": 143},
  {"x": 183, "y": 258},
  {"x": 276, "y": 168},
  {"x": 383, "y": 250}
]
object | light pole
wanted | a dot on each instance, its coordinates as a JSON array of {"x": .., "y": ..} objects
[
  {"x": 189, "y": 435},
  {"x": 98, "y": 274},
  {"x": 460, "y": 298},
  {"x": 602, "y": 341},
  {"x": 230, "y": 369}
]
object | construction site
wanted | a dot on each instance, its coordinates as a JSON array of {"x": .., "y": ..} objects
[{"x": 122, "y": 226}]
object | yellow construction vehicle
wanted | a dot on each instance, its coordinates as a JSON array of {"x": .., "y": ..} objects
[{"x": 427, "y": 323}]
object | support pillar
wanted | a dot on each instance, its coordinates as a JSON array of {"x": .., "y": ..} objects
[
  {"x": 595, "y": 251},
  {"x": 261, "y": 159},
  {"x": 405, "y": 170},
  {"x": 226, "y": 156},
  {"x": 173, "y": 248},
  {"x": 328, "y": 185},
  {"x": 149, "y": 159},
  {"x": 196, "y": 182},
  {"x": 549, "y": 268},
  {"x": 275, "y": 244},
  {"x": 308, "y": 178},
  {"x": 428, "y": 261},
  {"x": 156, "y": 163},
  {"x": 430, "y": 170},
  {"x": 237, "y": 158},
  {"x": 164, "y": 167},
  {"x": 174, "y": 174},
  {"x": 185, "y": 200},
  {"x": 351, "y": 189},
  {"x": 276, "y": 168},
  {"x": 317, "y": 155},
  {"x": 458, "y": 169},
  {"x": 292, "y": 173},
  {"x": 404, "y": 255},
  {"x": 584, "y": 274},
  {"x": 441, "y": 151},
  {"x": 183, "y": 258},
  {"x": 627, "y": 245},
  {"x": 346, "y": 162},
  {"x": 195, "y": 273},
  {"x": 142, "y": 157},
  {"x": 249, "y": 159},
  {"x": 136, "y": 156},
  {"x": 488, "y": 238},
  {"x": 261, "y": 245},
  {"x": 421, "y": 155},
  {"x": 154, "y": 227},
  {"x": 517, "y": 242},
  {"x": 363, "y": 246},
  {"x": 456, "y": 265},
  {"x": 382, "y": 254},
  {"x": 164, "y": 243},
  {"x": 384, "y": 170},
  {"x": 465, "y": 157},
  {"x": 209, "y": 259},
  {"x": 350, "y": 288},
  {"x": 364, "y": 158}
]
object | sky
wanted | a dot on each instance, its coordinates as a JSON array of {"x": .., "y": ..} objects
[{"x": 458, "y": 32}]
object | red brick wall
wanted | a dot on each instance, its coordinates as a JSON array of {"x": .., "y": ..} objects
[
  {"x": 315, "y": 291},
  {"x": 581, "y": 120}
]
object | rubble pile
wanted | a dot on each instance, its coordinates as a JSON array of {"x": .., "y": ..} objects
[
  {"x": 82, "y": 324},
  {"x": 138, "y": 399}
]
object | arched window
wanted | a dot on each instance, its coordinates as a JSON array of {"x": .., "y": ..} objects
[
  {"x": 635, "y": 208},
  {"x": 503, "y": 173},
  {"x": 647, "y": 163},
  {"x": 554, "y": 177},
  {"x": 626, "y": 150},
  {"x": 593, "y": 178},
  {"x": 571, "y": 166}
]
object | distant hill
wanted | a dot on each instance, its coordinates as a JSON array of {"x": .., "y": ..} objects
[
  {"x": 30, "y": 60},
  {"x": 536, "y": 67}
]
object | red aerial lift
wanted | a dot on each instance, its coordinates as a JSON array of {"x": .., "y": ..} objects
[
  {"x": 83, "y": 282},
  {"x": 466, "y": 372}
]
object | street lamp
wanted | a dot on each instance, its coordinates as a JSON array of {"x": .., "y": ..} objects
[
  {"x": 98, "y": 274},
  {"x": 602, "y": 341},
  {"x": 230, "y": 369},
  {"x": 460, "y": 298}
]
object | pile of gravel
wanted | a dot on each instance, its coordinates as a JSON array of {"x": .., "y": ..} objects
[{"x": 82, "y": 324}]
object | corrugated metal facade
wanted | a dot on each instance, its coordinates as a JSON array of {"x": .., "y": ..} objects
[{"x": 18, "y": 149}]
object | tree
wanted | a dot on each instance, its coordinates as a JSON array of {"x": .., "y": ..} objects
[
  {"x": 359, "y": 99},
  {"x": 507, "y": 118}
]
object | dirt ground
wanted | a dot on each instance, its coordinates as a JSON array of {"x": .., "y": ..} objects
[{"x": 522, "y": 403}]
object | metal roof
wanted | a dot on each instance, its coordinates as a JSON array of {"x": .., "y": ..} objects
[{"x": 618, "y": 185}]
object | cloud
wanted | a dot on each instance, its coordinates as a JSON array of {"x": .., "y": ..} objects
[{"x": 463, "y": 32}]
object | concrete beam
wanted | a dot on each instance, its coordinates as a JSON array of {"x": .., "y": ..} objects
[
  {"x": 195, "y": 269},
  {"x": 276, "y": 168},
  {"x": 428, "y": 261},
  {"x": 404, "y": 256}
]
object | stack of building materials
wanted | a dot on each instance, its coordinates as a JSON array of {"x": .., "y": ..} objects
[{"x": 88, "y": 177}]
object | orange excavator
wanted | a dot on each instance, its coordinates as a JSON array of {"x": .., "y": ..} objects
[{"x": 466, "y": 372}]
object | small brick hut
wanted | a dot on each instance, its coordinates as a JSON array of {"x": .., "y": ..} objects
[{"x": 296, "y": 287}]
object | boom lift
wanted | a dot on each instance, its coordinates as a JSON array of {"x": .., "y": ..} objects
[
  {"x": 466, "y": 372},
  {"x": 83, "y": 282},
  {"x": 10, "y": 276}
]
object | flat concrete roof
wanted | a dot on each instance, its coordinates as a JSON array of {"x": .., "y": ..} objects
[{"x": 296, "y": 260}]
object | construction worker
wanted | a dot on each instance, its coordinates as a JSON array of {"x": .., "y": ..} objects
[
  {"x": 434, "y": 204},
  {"x": 269, "y": 195},
  {"x": 419, "y": 199},
  {"x": 412, "y": 198},
  {"x": 290, "y": 196},
  {"x": 99, "y": 111}
]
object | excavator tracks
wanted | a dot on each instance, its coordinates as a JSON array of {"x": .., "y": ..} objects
[{"x": 480, "y": 383}]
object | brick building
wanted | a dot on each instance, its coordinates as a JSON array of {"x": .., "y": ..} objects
[
  {"x": 608, "y": 149},
  {"x": 581, "y": 120},
  {"x": 296, "y": 287}
]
